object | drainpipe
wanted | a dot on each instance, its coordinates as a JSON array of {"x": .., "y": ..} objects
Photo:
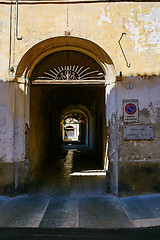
[{"x": 17, "y": 37}]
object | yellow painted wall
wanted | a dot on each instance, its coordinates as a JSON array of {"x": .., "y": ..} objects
[{"x": 102, "y": 23}]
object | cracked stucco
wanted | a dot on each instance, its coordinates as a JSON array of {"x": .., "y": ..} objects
[
  {"x": 144, "y": 29},
  {"x": 141, "y": 23},
  {"x": 103, "y": 17}
]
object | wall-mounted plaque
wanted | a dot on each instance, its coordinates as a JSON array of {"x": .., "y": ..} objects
[
  {"x": 130, "y": 110},
  {"x": 138, "y": 132}
]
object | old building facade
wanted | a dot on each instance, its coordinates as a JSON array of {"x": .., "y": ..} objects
[{"x": 97, "y": 60}]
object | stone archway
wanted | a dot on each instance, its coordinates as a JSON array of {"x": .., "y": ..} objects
[
  {"x": 36, "y": 55},
  {"x": 38, "y": 52}
]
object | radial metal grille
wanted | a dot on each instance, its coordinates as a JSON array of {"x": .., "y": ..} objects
[{"x": 68, "y": 65}]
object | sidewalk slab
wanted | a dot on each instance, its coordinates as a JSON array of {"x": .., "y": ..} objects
[
  {"x": 102, "y": 212},
  {"x": 136, "y": 209},
  {"x": 80, "y": 211},
  {"x": 23, "y": 211},
  {"x": 61, "y": 213},
  {"x": 152, "y": 202}
]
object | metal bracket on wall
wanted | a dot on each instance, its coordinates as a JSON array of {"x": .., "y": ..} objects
[
  {"x": 17, "y": 37},
  {"x": 127, "y": 63}
]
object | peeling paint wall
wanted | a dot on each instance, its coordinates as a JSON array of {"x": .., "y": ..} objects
[
  {"x": 6, "y": 121},
  {"x": 147, "y": 91},
  {"x": 4, "y": 40},
  {"x": 103, "y": 24},
  {"x": 137, "y": 157},
  {"x": 147, "y": 31},
  {"x": 13, "y": 169}
]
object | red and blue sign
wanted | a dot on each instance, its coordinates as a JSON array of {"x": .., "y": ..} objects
[{"x": 130, "y": 108}]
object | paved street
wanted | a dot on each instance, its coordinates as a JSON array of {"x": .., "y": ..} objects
[
  {"x": 72, "y": 203},
  {"x": 70, "y": 211},
  {"x": 75, "y": 211},
  {"x": 79, "y": 217},
  {"x": 71, "y": 193}
]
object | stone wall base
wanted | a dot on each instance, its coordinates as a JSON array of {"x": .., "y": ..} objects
[
  {"x": 14, "y": 178},
  {"x": 138, "y": 177}
]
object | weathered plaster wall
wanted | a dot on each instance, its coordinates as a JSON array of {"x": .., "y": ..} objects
[
  {"x": 147, "y": 91},
  {"x": 12, "y": 162},
  {"x": 6, "y": 135},
  {"x": 4, "y": 41},
  {"x": 139, "y": 160},
  {"x": 95, "y": 22},
  {"x": 6, "y": 121},
  {"x": 112, "y": 138},
  {"x": 91, "y": 21},
  {"x": 103, "y": 24}
]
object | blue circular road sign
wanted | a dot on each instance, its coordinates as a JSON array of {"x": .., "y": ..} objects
[{"x": 130, "y": 108}]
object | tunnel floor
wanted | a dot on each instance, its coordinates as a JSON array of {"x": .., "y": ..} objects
[{"x": 75, "y": 171}]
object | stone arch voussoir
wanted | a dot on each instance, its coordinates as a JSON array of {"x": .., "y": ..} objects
[{"x": 35, "y": 54}]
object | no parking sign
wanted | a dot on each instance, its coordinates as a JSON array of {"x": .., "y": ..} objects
[{"x": 130, "y": 110}]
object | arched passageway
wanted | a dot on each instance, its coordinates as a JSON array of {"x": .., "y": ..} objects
[
  {"x": 67, "y": 76},
  {"x": 67, "y": 114},
  {"x": 51, "y": 106}
]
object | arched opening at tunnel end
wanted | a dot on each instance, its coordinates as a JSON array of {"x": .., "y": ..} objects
[{"x": 74, "y": 127}]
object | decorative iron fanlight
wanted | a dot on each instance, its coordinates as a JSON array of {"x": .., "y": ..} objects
[
  {"x": 72, "y": 73},
  {"x": 67, "y": 65}
]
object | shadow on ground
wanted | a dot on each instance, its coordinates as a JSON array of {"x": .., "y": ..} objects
[{"x": 79, "y": 234}]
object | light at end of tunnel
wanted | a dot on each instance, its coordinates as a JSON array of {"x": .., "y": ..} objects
[{"x": 89, "y": 173}]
